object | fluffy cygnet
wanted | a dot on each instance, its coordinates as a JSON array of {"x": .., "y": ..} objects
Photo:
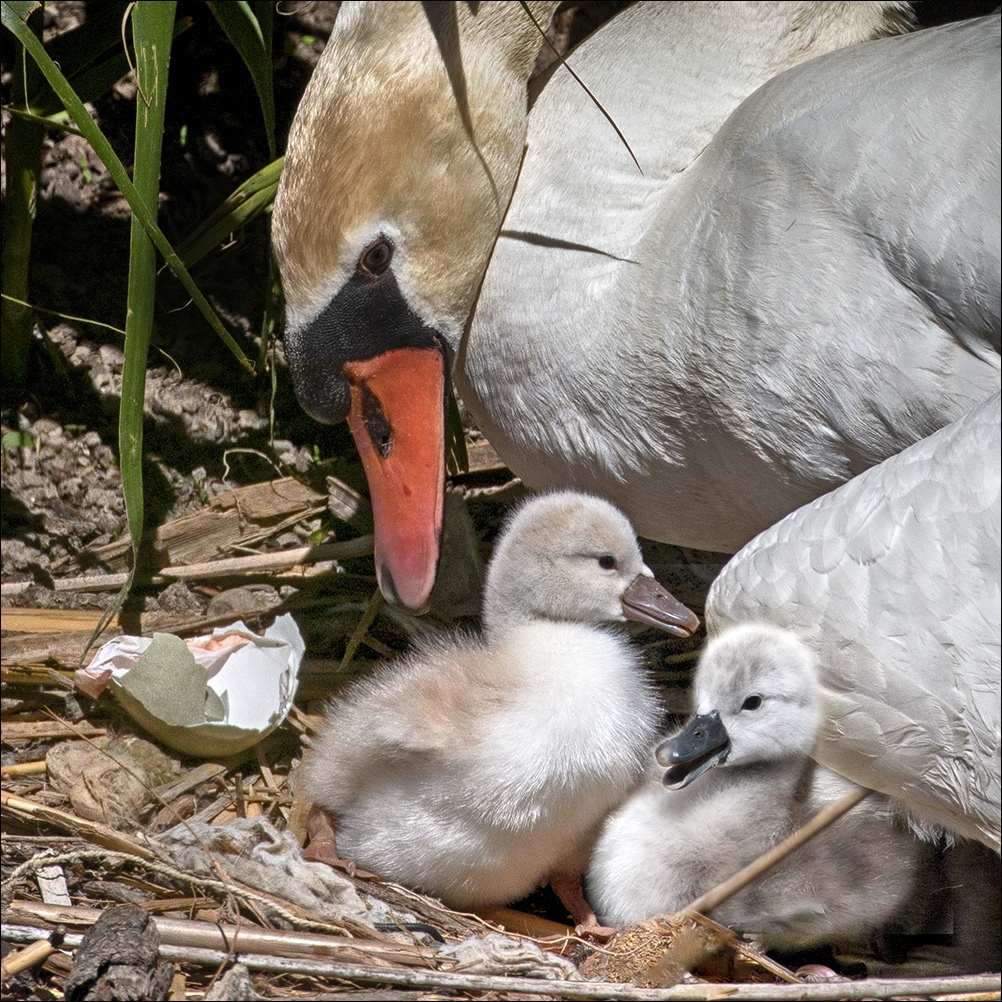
[
  {"x": 756, "y": 722},
  {"x": 477, "y": 769}
]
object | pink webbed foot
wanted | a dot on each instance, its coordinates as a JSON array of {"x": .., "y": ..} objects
[
  {"x": 567, "y": 887},
  {"x": 321, "y": 827}
]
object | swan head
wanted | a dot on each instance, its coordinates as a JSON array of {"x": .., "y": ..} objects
[
  {"x": 400, "y": 165},
  {"x": 571, "y": 557},
  {"x": 756, "y": 702}
]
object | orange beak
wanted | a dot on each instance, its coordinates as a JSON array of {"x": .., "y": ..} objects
[{"x": 397, "y": 419}]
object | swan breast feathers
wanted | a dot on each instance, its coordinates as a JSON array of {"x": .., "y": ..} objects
[{"x": 894, "y": 582}]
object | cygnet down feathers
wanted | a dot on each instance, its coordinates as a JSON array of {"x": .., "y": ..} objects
[
  {"x": 477, "y": 769},
  {"x": 756, "y": 721}
]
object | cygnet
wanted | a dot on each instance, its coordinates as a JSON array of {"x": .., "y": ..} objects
[
  {"x": 478, "y": 768},
  {"x": 749, "y": 746}
]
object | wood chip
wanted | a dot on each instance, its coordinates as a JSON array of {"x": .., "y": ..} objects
[
  {"x": 17, "y": 620},
  {"x": 118, "y": 958},
  {"x": 482, "y": 457},
  {"x": 245, "y": 517},
  {"x": 52, "y": 885},
  {"x": 34, "y": 730},
  {"x": 348, "y": 505},
  {"x": 93, "y": 831}
]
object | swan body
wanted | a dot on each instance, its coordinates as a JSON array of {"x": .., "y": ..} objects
[
  {"x": 802, "y": 281},
  {"x": 757, "y": 708},
  {"x": 476, "y": 769},
  {"x": 893, "y": 580},
  {"x": 799, "y": 285}
]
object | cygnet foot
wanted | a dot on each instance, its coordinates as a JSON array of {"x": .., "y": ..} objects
[
  {"x": 568, "y": 887},
  {"x": 321, "y": 847}
]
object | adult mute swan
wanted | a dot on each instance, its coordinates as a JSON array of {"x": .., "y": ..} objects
[
  {"x": 803, "y": 281},
  {"x": 894, "y": 581},
  {"x": 756, "y": 720},
  {"x": 477, "y": 769}
]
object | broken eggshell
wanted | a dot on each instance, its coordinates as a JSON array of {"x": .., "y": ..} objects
[{"x": 213, "y": 696}]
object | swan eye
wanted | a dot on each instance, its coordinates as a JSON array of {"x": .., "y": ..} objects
[
  {"x": 376, "y": 258},
  {"x": 752, "y": 703},
  {"x": 607, "y": 562}
]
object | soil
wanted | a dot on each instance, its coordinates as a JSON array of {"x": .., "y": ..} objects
[{"x": 62, "y": 488}]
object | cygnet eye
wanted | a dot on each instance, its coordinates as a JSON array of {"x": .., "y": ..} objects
[
  {"x": 607, "y": 562},
  {"x": 752, "y": 703},
  {"x": 376, "y": 258}
]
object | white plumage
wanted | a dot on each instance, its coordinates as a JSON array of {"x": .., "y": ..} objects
[
  {"x": 756, "y": 707},
  {"x": 894, "y": 581},
  {"x": 803, "y": 281},
  {"x": 478, "y": 769}
]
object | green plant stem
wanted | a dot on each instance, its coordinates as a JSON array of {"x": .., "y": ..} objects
[
  {"x": 152, "y": 25},
  {"x": 152, "y": 28},
  {"x": 23, "y": 156}
]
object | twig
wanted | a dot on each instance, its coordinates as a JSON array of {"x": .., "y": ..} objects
[
  {"x": 39, "y": 951},
  {"x": 28, "y": 674},
  {"x": 266, "y": 774},
  {"x": 24, "y": 768},
  {"x": 277, "y": 560},
  {"x": 38, "y": 621},
  {"x": 207, "y": 813},
  {"x": 372, "y": 609},
  {"x": 229, "y": 567},
  {"x": 200, "y": 774},
  {"x": 34, "y": 730},
  {"x": 226, "y": 888},
  {"x": 305, "y": 723},
  {"x": 93, "y": 831},
  {"x": 876, "y": 988},
  {"x": 722, "y": 935},
  {"x": 243, "y": 939},
  {"x": 238, "y": 790}
]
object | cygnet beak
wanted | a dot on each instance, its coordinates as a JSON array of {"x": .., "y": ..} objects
[
  {"x": 699, "y": 746},
  {"x": 648, "y": 602}
]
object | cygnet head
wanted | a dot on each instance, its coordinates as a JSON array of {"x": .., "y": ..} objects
[
  {"x": 570, "y": 557},
  {"x": 756, "y": 702}
]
